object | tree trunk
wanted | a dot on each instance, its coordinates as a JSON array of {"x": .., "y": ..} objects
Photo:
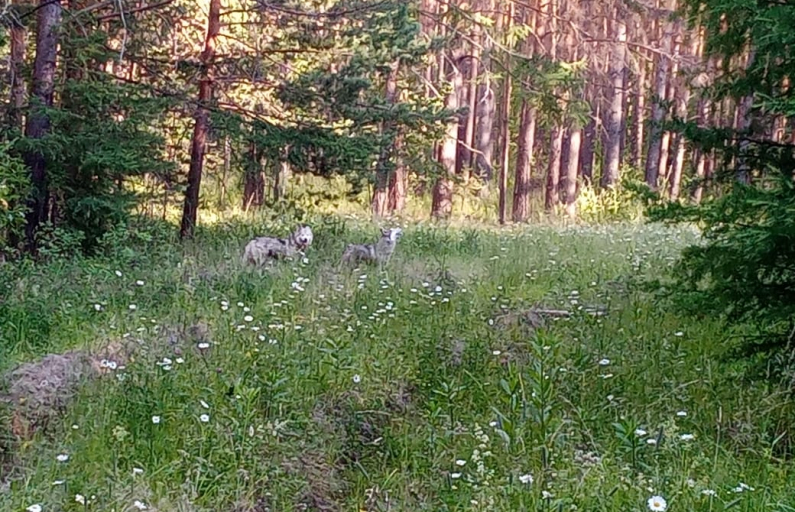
[
  {"x": 15, "y": 67},
  {"x": 575, "y": 139},
  {"x": 553, "y": 172},
  {"x": 659, "y": 109},
  {"x": 743, "y": 126},
  {"x": 587, "y": 149},
  {"x": 524, "y": 161},
  {"x": 397, "y": 181},
  {"x": 442, "y": 204},
  {"x": 484, "y": 141},
  {"x": 615, "y": 118},
  {"x": 639, "y": 117},
  {"x": 505, "y": 125},
  {"x": 281, "y": 173},
  {"x": 48, "y": 20},
  {"x": 226, "y": 168},
  {"x": 383, "y": 169},
  {"x": 202, "y": 127},
  {"x": 254, "y": 185}
]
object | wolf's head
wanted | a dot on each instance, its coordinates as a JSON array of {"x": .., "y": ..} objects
[
  {"x": 391, "y": 235},
  {"x": 303, "y": 237}
]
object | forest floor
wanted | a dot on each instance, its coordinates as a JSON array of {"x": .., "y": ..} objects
[{"x": 443, "y": 383}]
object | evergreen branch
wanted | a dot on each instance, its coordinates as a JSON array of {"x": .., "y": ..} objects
[
  {"x": 292, "y": 12},
  {"x": 135, "y": 10}
]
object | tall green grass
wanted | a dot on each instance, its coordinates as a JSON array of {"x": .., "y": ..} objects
[{"x": 404, "y": 390}]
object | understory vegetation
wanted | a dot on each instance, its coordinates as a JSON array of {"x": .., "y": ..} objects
[{"x": 525, "y": 369}]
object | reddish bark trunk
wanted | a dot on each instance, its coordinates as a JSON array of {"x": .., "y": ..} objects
[
  {"x": 553, "y": 172},
  {"x": 202, "y": 127},
  {"x": 442, "y": 202},
  {"x": 575, "y": 139},
  {"x": 524, "y": 161},
  {"x": 48, "y": 20},
  {"x": 380, "y": 202},
  {"x": 615, "y": 115}
]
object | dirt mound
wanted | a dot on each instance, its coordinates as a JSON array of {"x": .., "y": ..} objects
[{"x": 40, "y": 390}]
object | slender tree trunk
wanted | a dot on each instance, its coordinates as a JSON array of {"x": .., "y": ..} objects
[
  {"x": 524, "y": 162},
  {"x": 679, "y": 162},
  {"x": 202, "y": 127},
  {"x": 254, "y": 185},
  {"x": 226, "y": 168},
  {"x": 16, "y": 57},
  {"x": 575, "y": 139},
  {"x": 701, "y": 154},
  {"x": 587, "y": 149},
  {"x": 639, "y": 117},
  {"x": 484, "y": 141},
  {"x": 505, "y": 126},
  {"x": 553, "y": 171},
  {"x": 653, "y": 158},
  {"x": 48, "y": 20},
  {"x": 383, "y": 169},
  {"x": 743, "y": 126},
  {"x": 442, "y": 204},
  {"x": 615, "y": 117},
  {"x": 397, "y": 181}
]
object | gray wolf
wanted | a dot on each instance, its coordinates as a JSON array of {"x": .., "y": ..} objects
[
  {"x": 379, "y": 252},
  {"x": 265, "y": 248}
]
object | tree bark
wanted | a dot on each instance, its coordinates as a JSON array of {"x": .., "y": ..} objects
[
  {"x": 398, "y": 181},
  {"x": 383, "y": 169},
  {"x": 484, "y": 125},
  {"x": 524, "y": 161},
  {"x": 575, "y": 139},
  {"x": 505, "y": 125},
  {"x": 16, "y": 57},
  {"x": 615, "y": 118},
  {"x": 442, "y": 203},
  {"x": 553, "y": 172},
  {"x": 587, "y": 149},
  {"x": 743, "y": 126},
  {"x": 202, "y": 127},
  {"x": 48, "y": 20},
  {"x": 254, "y": 184},
  {"x": 659, "y": 109},
  {"x": 639, "y": 117}
]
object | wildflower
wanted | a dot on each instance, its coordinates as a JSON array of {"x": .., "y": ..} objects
[
  {"x": 357, "y": 378},
  {"x": 118, "y": 273},
  {"x": 640, "y": 432},
  {"x": 496, "y": 352},
  {"x": 651, "y": 441},
  {"x": 455, "y": 476},
  {"x": 204, "y": 404},
  {"x": 248, "y": 318},
  {"x": 156, "y": 420},
  {"x": 204, "y": 418},
  {"x": 743, "y": 487},
  {"x": 240, "y": 304},
  {"x": 526, "y": 479},
  {"x": 132, "y": 307},
  {"x": 203, "y": 345},
  {"x": 58, "y": 482},
  {"x": 708, "y": 492},
  {"x": 604, "y": 362},
  {"x": 98, "y": 307},
  {"x": 679, "y": 334},
  {"x": 62, "y": 457},
  {"x": 657, "y": 504},
  {"x": 34, "y": 508},
  {"x": 547, "y": 495},
  {"x": 687, "y": 437},
  {"x": 140, "y": 505},
  {"x": 139, "y": 283},
  {"x": 137, "y": 471},
  {"x": 460, "y": 462},
  {"x": 681, "y": 414},
  {"x": 79, "y": 498}
]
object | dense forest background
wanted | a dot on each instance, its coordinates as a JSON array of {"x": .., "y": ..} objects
[{"x": 519, "y": 108}]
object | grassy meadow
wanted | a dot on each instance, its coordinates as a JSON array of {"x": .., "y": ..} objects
[{"x": 433, "y": 385}]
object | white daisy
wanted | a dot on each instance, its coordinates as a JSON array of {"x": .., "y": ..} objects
[
  {"x": 687, "y": 437},
  {"x": 460, "y": 462},
  {"x": 140, "y": 505},
  {"x": 640, "y": 432},
  {"x": 62, "y": 457},
  {"x": 604, "y": 362},
  {"x": 526, "y": 479},
  {"x": 204, "y": 418},
  {"x": 156, "y": 419},
  {"x": 657, "y": 504},
  {"x": 357, "y": 378},
  {"x": 34, "y": 508}
]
